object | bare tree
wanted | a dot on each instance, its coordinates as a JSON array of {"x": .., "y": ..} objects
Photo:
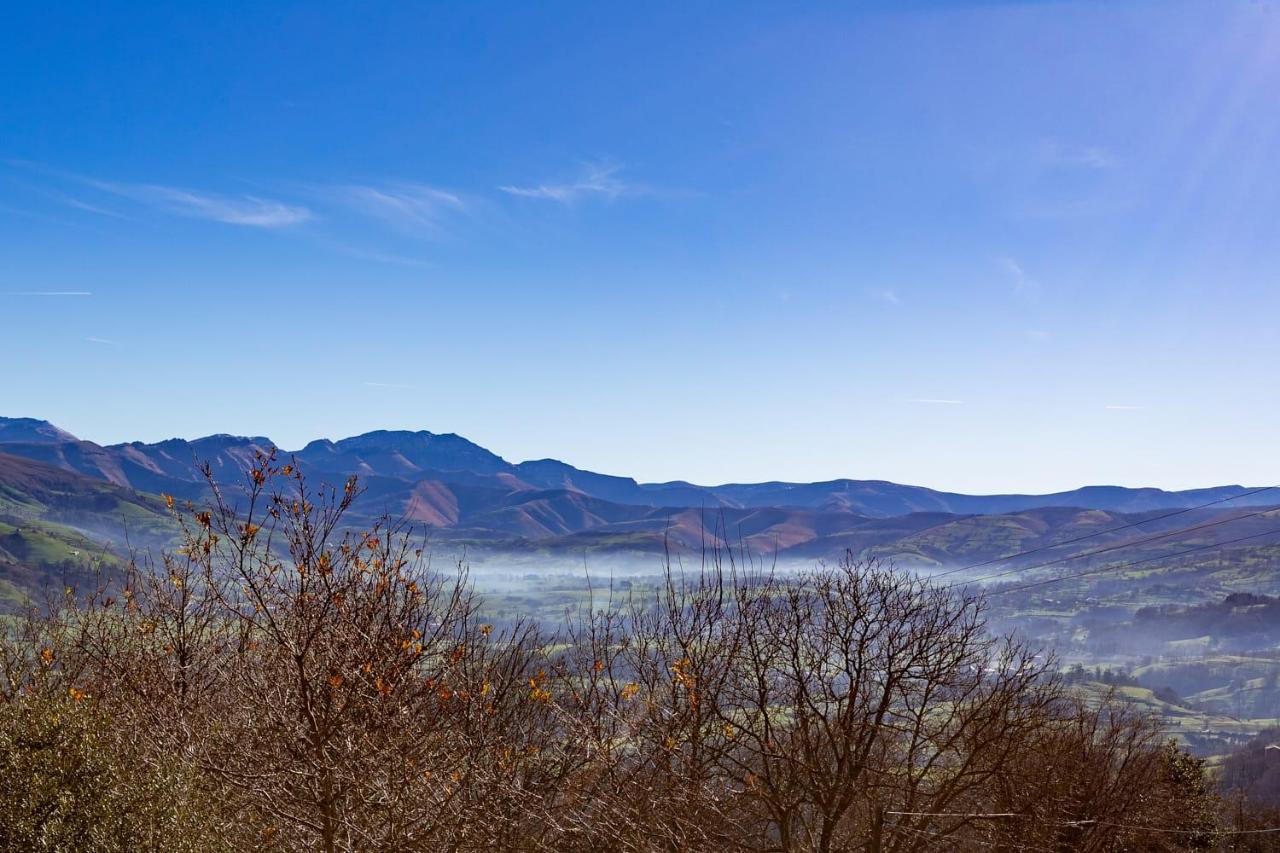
[{"x": 323, "y": 688}]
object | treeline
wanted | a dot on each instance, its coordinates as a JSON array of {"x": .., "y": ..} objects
[
  {"x": 275, "y": 684},
  {"x": 1238, "y": 614},
  {"x": 1078, "y": 674},
  {"x": 1239, "y": 622}
]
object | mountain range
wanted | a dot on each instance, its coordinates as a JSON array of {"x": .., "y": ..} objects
[
  {"x": 425, "y": 457},
  {"x": 463, "y": 492}
]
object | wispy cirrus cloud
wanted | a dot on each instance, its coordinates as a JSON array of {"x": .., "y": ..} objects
[
  {"x": 81, "y": 204},
  {"x": 233, "y": 209},
  {"x": 932, "y": 401},
  {"x": 105, "y": 341},
  {"x": 408, "y": 207},
  {"x": 248, "y": 210},
  {"x": 598, "y": 180}
]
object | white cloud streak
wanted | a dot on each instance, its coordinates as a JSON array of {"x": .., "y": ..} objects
[
  {"x": 245, "y": 210},
  {"x": 415, "y": 208},
  {"x": 935, "y": 402},
  {"x": 597, "y": 180},
  {"x": 79, "y": 204},
  {"x": 248, "y": 210},
  {"x": 103, "y": 341}
]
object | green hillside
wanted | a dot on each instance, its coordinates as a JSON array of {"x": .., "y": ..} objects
[{"x": 59, "y": 528}]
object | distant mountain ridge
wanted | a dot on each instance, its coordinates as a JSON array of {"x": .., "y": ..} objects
[
  {"x": 59, "y": 494},
  {"x": 561, "y": 521},
  {"x": 415, "y": 457},
  {"x": 32, "y": 430}
]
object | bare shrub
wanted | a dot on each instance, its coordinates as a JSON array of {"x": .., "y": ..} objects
[{"x": 321, "y": 688}]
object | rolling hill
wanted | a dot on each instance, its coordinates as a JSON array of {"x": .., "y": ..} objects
[{"x": 58, "y": 527}]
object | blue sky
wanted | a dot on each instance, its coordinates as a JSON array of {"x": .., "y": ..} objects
[{"x": 987, "y": 246}]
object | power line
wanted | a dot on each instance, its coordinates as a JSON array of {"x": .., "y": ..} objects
[
  {"x": 955, "y": 839},
  {"x": 1173, "y": 830},
  {"x": 968, "y": 815},
  {"x": 1085, "y": 822},
  {"x": 1098, "y": 533},
  {"x": 1117, "y": 547}
]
